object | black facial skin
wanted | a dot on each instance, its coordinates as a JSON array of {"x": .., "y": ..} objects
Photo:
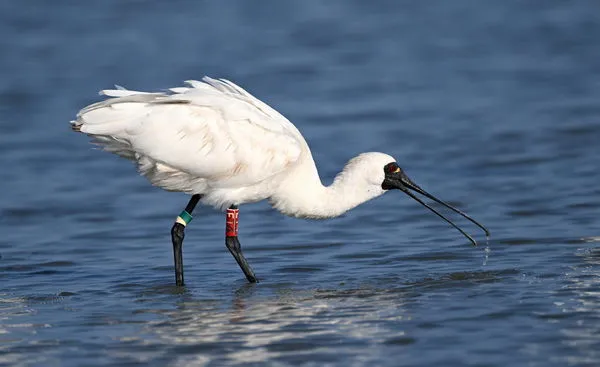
[{"x": 395, "y": 178}]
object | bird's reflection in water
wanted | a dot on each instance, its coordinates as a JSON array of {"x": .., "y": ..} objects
[
  {"x": 239, "y": 303},
  {"x": 255, "y": 326}
]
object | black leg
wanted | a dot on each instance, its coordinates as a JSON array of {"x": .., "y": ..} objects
[
  {"x": 233, "y": 244},
  {"x": 177, "y": 234}
]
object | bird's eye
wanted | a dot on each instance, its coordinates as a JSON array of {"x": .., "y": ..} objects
[{"x": 391, "y": 168}]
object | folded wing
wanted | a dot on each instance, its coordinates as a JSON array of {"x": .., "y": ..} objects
[{"x": 212, "y": 131}]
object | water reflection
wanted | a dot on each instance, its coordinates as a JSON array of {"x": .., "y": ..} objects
[
  {"x": 287, "y": 324},
  {"x": 582, "y": 324},
  {"x": 14, "y": 327}
]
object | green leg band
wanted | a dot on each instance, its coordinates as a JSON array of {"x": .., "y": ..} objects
[{"x": 185, "y": 217}]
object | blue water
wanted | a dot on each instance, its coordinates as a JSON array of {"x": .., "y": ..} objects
[{"x": 492, "y": 106}]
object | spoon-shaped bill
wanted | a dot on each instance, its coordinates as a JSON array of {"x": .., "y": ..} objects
[
  {"x": 441, "y": 216},
  {"x": 411, "y": 185}
]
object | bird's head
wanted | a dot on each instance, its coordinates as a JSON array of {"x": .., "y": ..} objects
[{"x": 385, "y": 172}]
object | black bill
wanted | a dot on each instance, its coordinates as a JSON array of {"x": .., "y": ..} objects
[{"x": 399, "y": 180}]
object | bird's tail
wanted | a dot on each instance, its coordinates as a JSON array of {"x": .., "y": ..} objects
[
  {"x": 107, "y": 122},
  {"x": 106, "y": 116}
]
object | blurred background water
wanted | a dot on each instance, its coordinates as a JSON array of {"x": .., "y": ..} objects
[{"x": 493, "y": 106}]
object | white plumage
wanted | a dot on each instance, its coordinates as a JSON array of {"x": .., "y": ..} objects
[
  {"x": 214, "y": 138},
  {"x": 217, "y": 142}
]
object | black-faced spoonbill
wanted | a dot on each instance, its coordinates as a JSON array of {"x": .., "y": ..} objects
[{"x": 225, "y": 147}]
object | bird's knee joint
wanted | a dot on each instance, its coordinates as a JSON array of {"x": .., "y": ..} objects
[{"x": 178, "y": 230}]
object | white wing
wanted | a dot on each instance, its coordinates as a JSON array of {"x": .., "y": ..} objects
[{"x": 213, "y": 131}]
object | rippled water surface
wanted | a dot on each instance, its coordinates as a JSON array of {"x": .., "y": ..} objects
[{"x": 494, "y": 107}]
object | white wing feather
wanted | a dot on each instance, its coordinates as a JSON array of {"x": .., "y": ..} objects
[{"x": 213, "y": 134}]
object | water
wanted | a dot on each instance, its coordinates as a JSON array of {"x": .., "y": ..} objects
[{"x": 491, "y": 106}]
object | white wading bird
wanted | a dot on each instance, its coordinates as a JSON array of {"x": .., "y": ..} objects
[{"x": 225, "y": 147}]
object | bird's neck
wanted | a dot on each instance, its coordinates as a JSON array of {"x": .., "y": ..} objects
[{"x": 301, "y": 194}]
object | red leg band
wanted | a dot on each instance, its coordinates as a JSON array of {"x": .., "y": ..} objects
[{"x": 231, "y": 224}]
